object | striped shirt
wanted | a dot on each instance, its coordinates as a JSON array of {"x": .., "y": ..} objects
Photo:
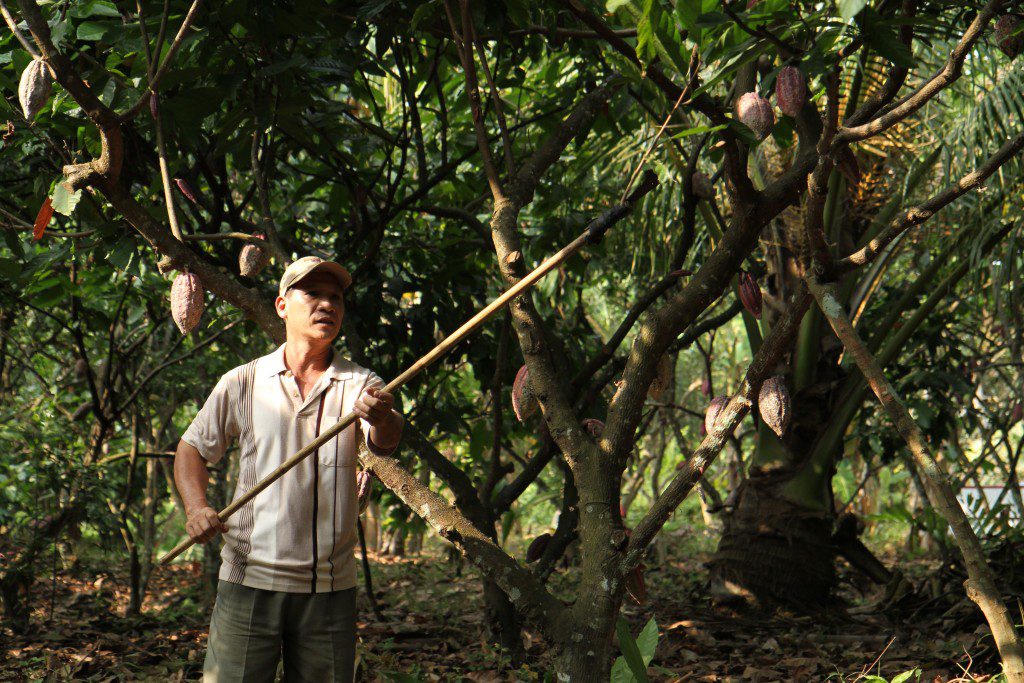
[{"x": 299, "y": 534}]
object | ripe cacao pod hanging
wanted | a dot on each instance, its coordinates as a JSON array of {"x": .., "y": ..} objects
[
  {"x": 790, "y": 91},
  {"x": 154, "y": 105},
  {"x": 750, "y": 294},
  {"x": 1007, "y": 37},
  {"x": 774, "y": 404},
  {"x": 1018, "y": 413},
  {"x": 662, "y": 378},
  {"x": 252, "y": 259},
  {"x": 635, "y": 585},
  {"x": 705, "y": 386},
  {"x": 715, "y": 409},
  {"x": 755, "y": 112},
  {"x": 524, "y": 401},
  {"x": 187, "y": 301},
  {"x": 364, "y": 487},
  {"x": 34, "y": 88},
  {"x": 701, "y": 186},
  {"x": 594, "y": 427},
  {"x": 537, "y": 547},
  {"x": 187, "y": 190}
]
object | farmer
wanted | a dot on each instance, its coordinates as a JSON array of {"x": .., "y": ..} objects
[{"x": 288, "y": 572}]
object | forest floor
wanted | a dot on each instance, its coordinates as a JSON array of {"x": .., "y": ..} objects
[{"x": 433, "y": 625}]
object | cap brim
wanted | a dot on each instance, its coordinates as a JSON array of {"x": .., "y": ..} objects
[{"x": 335, "y": 269}]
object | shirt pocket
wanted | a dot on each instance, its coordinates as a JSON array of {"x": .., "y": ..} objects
[{"x": 341, "y": 450}]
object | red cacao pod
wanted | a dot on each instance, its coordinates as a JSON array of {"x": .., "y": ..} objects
[
  {"x": 154, "y": 105},
  {"x": 1007, "y": 37},
  {"x": 715, "y": 409},
  {"x": 750, "y": 294},
  {"x": 524, "y": 401},
  {"x": 594, "y": 427},
  {"x": 537, "y": 547},
  {"x": 774, "y": 404},
  {"x": 252, "y": 259},
  {"x": 790, "y": 91},
  {"x": 1018, "y": 413},
  {"x": 705, "y": 386},
  {"x": 187, "y": 190},
  {"x": 755, "y": 112},
  {"x": 187, "y": 301},
  {"x": 701, "y": 186},
  {"x": 364, "y": 488},
  {"x": 635, "y": 585},
  {"x": 34, "y": 88}
]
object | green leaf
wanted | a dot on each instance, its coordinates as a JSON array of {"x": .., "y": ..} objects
[
  {"x": 98, "y": 8},
  {"x": 630, "y": 651},
  {"x": 850, "y": 8},
  {"x": 613, "y": 5},
  {"x": 882, "y": 36},
  {"x": 905, "y": 676},
  {"x": 90, "y": 30},
  {"x": 64, "y": 200},
  {"x": 647, "y": 641},
  {"x": 697, "y": 130}
]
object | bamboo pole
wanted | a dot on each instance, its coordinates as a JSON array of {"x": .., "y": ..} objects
[{"x": 592, "y": 235}]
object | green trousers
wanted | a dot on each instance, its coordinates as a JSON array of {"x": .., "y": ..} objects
[{"x": 252, "y": 629}]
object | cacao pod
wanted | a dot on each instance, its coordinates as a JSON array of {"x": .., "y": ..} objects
[
  {"x": 537, "y": 547},
  {"x": 705, "y": 386},
  {"x": 187, "y": 190},
  {"x": 81, "y": 367},
  {"x": 790, "y": 91},
  {"x": 847, "y": 164},
  {"x": 594, "y": 427},
  {"x": 1007, "y": 37},
  {"x": 750, "y": 294},
  {"x": 661, "y": 378},
  {"x": 756, "y": 113},
  {"x": 364, "y": 487},
  {"x": 524, "y": 401},
  {"x": 34, "y": 88},
  {"x": 187, "y": 301},
  {"x": 635, "y": 585},
  {"x": 715, "y": 409},
  {"x": 774, "y": 404},
  {"x": 701, "y": 186},
  {"x": 252, "y": 259},
  {"x": 1018, "y": 413}
]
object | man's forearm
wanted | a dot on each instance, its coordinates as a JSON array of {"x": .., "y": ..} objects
[
  {"x": 191, "y": 477},
  {"x": 386, "y": 435}
]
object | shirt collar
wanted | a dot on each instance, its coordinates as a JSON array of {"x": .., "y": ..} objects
[{"x": 340, "y": 368}]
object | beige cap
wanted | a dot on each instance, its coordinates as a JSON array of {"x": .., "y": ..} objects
[{"x": 306, "y": 265}]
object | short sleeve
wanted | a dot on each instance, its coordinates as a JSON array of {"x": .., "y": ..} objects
[
  {"x": 216, "y": 424},
  {"x": 372, "y": 380}
]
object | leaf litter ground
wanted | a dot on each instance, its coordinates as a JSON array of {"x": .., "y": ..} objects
[{"x": 434, "y": 620}]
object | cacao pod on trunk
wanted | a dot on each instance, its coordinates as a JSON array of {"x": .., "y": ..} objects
[
  {"x": 1007, "y": 37},
  {"x": 154, "y": 105},
  {"x": 790, "y": 91},
  {"x": 701, "y": 186},
  {"x": 34, "y": 88},
  {"x": 774, "y": 404},
  {"x": 715, "y": 409},
  {"x": 750, "y": 294},
  {"x": 594, "y": 427},
  {"x": 537, "y": 547},
  {"x": 755, "y": 112},
  {"x": 662, "y": 378},
  {"x": 252, "y": 259},
  {"x": 635, "y": 585},
  {"x": 524, "y": 401},
  {"x": 187, "y": 301}
]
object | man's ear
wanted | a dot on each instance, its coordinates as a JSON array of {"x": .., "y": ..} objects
[{"x": 279, "y": 305}]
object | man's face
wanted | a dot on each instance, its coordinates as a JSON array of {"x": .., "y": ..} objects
[{"x": 312, "y": 308}]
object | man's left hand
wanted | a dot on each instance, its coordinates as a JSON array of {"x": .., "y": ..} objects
[{"x": 374, "y": 406}]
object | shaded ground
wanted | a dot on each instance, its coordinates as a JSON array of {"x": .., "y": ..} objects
[{"x": 433, "y": 624}]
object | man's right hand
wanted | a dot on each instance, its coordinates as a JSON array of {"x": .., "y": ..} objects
[{"x": 204, "y": 524}]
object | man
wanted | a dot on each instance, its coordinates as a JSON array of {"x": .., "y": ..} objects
[{"x": 288, "y": 573}]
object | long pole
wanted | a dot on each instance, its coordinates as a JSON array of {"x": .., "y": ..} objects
[{"x": 592, "y": 235}]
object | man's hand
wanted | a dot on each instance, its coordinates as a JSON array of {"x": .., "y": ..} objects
[
  {"x": 374, "y": 406},
  {"x": 203, "y": 524}
]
